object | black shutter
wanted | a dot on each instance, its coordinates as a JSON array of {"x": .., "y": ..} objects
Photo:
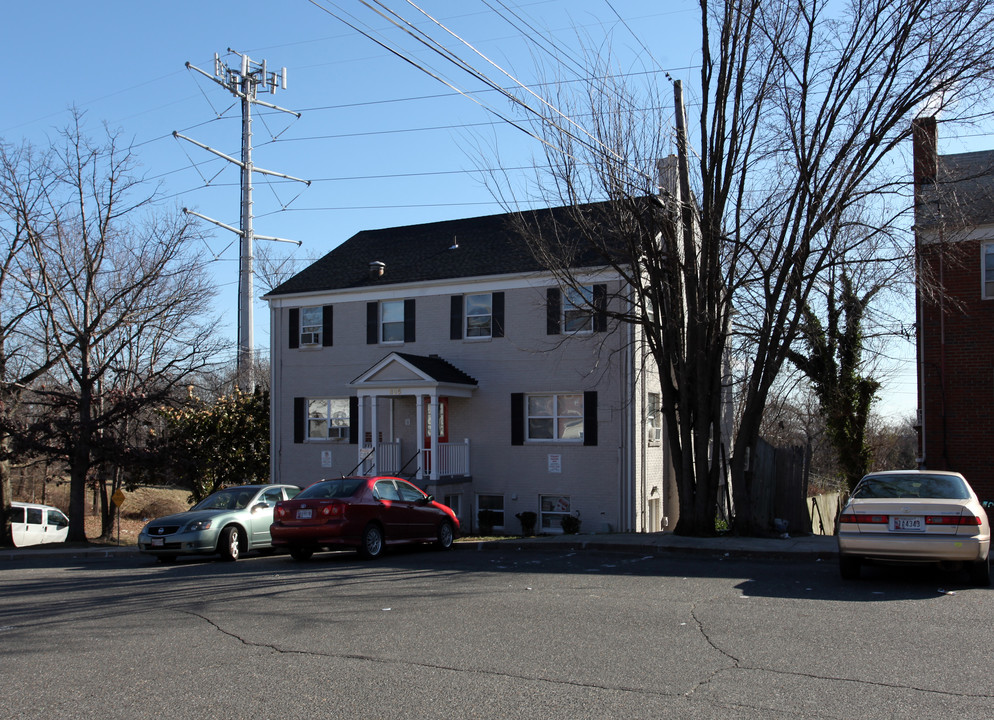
[
  {"x": 455, "y": 318},
  {"x": 498, "y": 310},
  {"x": 327, "y": 326},
  {"x": 293, "y": 322},
  {"x": 600, "y": 308},
  {"x": 409, "y": 320},
  {"x": 299, "y": 418},
  {"x": 353, "y": 421},
  {"x": 517, "y": 418},
  {"x": 552, "y": 311},
  {"x": 372, "y": 323},
  {"x": 590, "y": 417}
]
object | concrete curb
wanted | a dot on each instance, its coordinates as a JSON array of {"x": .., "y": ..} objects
[{"x": 813, "y": 547}]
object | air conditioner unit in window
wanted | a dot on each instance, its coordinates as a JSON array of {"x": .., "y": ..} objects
[
  {"x": 310, "y": 338},
  {"x": 341, "y": 433}
]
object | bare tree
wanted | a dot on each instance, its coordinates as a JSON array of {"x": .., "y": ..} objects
[
  {"x": 25, "y": 354},
  {"x": 121, "y": 297},
  {"x": 802, "y": 111}
]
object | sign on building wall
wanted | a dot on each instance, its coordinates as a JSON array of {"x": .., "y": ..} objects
[
  {"x": 326, "y": 458},
  {"x": 555, "y": 463}
]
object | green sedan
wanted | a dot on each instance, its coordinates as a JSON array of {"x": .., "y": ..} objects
[{"x": 228, "y": 523}]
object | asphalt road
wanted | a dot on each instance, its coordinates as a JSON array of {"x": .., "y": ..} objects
[{"x": 490, "y": 634}]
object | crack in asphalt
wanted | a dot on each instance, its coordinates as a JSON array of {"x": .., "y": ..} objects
[
  {"x": 432, "y": 666},
  {"x": 736, "y": 664}
]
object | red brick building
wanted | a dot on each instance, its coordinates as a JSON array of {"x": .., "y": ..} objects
[{"x": 954, "y": 238}]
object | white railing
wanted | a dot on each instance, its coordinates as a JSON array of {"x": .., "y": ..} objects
[
  {"x": 384, "y": 461},
  {"x": 453, "y": 459}
]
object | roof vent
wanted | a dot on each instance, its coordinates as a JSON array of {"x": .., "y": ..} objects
[{"x": 376, "y": 269}]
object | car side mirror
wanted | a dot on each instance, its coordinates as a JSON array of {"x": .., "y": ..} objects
[{"x": 260, "y": 506}]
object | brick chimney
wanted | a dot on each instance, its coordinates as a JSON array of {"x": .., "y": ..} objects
[{"x": 924, "y": 138}]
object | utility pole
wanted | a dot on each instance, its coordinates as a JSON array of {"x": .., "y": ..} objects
[{"x": 244, "y": 81}]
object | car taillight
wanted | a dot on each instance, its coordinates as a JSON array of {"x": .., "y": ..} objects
[
  {"x": 333, "y": 510},
  {"x": 868, "y": 519},
  {"x": 968, "y": 519},
  {"x": 281, "y": 512}
]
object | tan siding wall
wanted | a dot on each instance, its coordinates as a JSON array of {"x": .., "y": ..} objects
[{"x": 525, "y": 360}]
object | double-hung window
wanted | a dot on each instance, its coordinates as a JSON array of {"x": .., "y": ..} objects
[
  {"x": 392, "y": 321},
  {"x": 555, "y": 417},
  {"x": 577, "y": 309},
  {"x": 988, "y": 272},
  {"x": 328, "y": 419},
  {"x": 311, "y": 322},
  {"x": 653, "y": 419},
  {"x": 494, "y": 506},
  {"x": 479, "y": 315}
]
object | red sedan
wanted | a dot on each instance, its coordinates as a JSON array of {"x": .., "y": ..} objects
[{"x": 366, "y": 513}]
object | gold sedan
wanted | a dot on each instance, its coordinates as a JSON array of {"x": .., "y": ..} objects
[{"x": 915, "y": 516}]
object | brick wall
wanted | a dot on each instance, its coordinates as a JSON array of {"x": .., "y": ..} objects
[{"x": 957, "y": 367}]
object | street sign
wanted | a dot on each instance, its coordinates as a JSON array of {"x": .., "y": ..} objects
[{"x": 118, "y": 497}]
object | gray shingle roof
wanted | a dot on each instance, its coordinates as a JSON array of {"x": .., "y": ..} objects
[
  {"x": 441, "y": 370},
  {"x": 963, "y": 193},
  {"x": 487, "y": 245}
]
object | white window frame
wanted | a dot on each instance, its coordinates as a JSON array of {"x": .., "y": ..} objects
[
  {"x": 577, "y": 307},
  {"x": 334, "y": 415},
  {"x": 454, "y": 503},
  {"x": 550, "y": 521},
  {"x": 987, "y": 273},
  {"x": 562, "y": 416},
  {"x": 473, "y": 315},
  {"x": 310, "y": 331},
  {"x": 386, "y": 305},
  {"x": 502, "y": 510},
  {"x": 653, "y": 418}
]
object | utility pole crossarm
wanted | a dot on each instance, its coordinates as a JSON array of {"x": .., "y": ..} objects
[{"x": 244, "y": 81}]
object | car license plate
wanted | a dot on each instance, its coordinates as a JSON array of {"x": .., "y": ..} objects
[
  {"x": 158, "y": 542},
  {"x": 304, "y": 514},
  {"x": 910, "y": 523}
]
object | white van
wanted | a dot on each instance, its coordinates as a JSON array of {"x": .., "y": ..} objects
[{"x": 33, "y": 524}]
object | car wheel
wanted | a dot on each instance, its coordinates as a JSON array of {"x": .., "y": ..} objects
[
  {"x": 301, "y": 553},
  {"x": 372, "y": 542},
  {"x": 445, "y": 536},
  {"x": 228, "y": 544},
  {"x": 980, "y": 572},
  {"x": 849, "y": 566}
]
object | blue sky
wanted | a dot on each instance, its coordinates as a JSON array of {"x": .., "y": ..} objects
[{"x": 383, "y": 143}]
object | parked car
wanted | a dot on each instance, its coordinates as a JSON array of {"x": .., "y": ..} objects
[
  {"x": 918, "y": 516},
  {"x": 33, "y": 524},
  {"x": 229, "y": 522},
  {"x": 362, "y": 513}
]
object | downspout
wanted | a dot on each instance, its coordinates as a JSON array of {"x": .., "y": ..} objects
[{"x": 275, "y": 396}]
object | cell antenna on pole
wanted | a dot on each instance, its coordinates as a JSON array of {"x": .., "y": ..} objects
[{"x": 244, "y": 81}]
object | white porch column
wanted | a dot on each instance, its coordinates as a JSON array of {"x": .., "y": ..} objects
[
  {"x": 375, "y": 435},
  {"x": 361, "y": 424},
  {"x": 435, "y": 457},
  {"x": 420, "y": 414}
]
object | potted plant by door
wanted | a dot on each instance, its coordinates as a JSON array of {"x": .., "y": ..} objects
[
  {"x": 487, "y": 519},
  {"x": 527, "y": 520}
]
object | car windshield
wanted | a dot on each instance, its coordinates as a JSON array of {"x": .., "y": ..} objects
[
  {"x": 341, "y": 488},
  {"x": 230, "y": 499},
  {"x": 939, "y": 487}
]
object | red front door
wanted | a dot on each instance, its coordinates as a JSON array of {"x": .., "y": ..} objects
[{"x": 443, "y": 427}]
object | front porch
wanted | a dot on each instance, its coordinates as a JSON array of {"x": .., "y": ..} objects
[
  {"x": 405, "y": 419},
  {"x": 388, "y": 458}
]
